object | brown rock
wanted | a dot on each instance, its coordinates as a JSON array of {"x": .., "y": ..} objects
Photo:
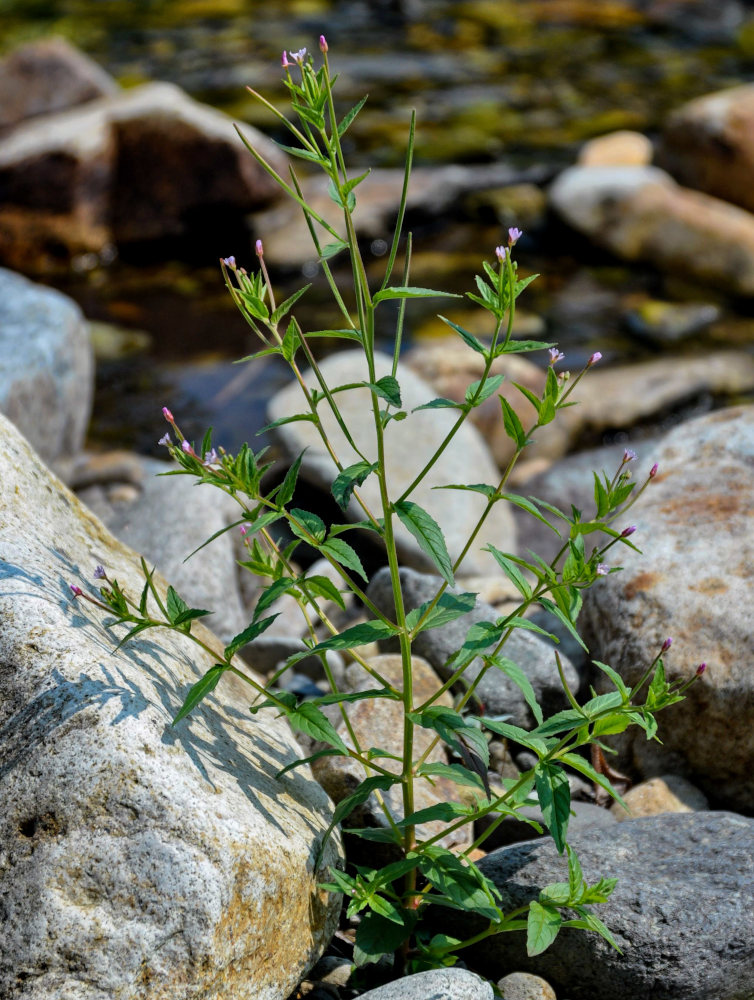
[
  {"x": 48, "y": 75},
  {"x": 624, "y": 148},
  {"x": 525, "y": 986},
  {"x": 668, "y": 793},
  {"x": 708, "y": 144},
  {"x": 641, "y": 214}
]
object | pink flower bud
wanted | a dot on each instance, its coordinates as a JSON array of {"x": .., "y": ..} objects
[
  {"x": 284, "y": 61},
  {"x": 602, "y": 569},
  {"x": 167, "y": 414},
  {"x": 501, "y": 253},
  {"x": 666, "y": 645},
  {"x": 187, "y": 447},
  {"x": 653, "y": 471},
  {"x": 628, "y": 456},
  {"x": 259, "y": 247},
  {"x": 597, "y": 356},
  {"x": 76, "y": 591},
  {"x": 323, "y": 46},
  {"x": 628, "y": 531},
  {"x": 700, "y": 669}
]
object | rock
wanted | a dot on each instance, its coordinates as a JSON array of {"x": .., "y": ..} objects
[
  {"x": 524, "y": 986},
  {"x": 450, "y": 368},
  {"x": 46, "y": 367},
  {"x": 437, "y": 984},
  {"x": 208, "y": 580},
  {"x": 692, "y": 582},
  {"x": 617, "y": 149},
  {"x": 138, "y": 860},
  {"x": 641, "y": 214},
  {"x": 466, "y": 460},
  {"x": 149, "y": 163},
  {"x": 668, "y": 793},
  {"x": 585, "y": 816},
  {"x": 707, "y": 144},
  {"x": 522, "y": 205},
  {"x": 498, "y": 693},
  {"x": 379, "y": 723},
  {"x": 668, "y": 322},
  {"x": 681, "y": 912},
  {"x": 46, "y": 76}
]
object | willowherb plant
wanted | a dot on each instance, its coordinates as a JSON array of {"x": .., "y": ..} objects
[{"x": 394, "y": 899}]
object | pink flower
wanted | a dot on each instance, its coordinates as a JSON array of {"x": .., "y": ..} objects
[
  {"x": 298, "y": 56},
  {"x": 259, "y": 247},
  {"x": 284, "y": 60},
  {"x": 514, "y": 235},
  {"x": 628, "y": 531},
  {"x": 628, "y": 456},
  {"x": 602, "y": 569},
  {"x": 597, "y": 356},
  {"x": 555, "y": 355},
  {"x": 167, "y": 414},
  {"x": 229, "y": 262},
  {"x": 501, "y": 253},
  {"x": 76, "y": 591}
]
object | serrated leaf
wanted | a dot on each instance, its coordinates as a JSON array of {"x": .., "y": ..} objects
[
  {"x": 542, "y": 926},
  {"x": 271, "y": 593},
  {"x": 427, "y": 532},
  {"x": 250, "y": 632},
  {"x": 453, "y": 772},
  {"x": 410, "y": 292},
  {"x": 554, "y": 794},
  {"x": 467, "y": 337},
  {"x": 578, "y": 763},
  {"x": 387, "y": 388},
  {"x": 558, "y": 613},
  {"x": 614, "y": 676},
  {"x": 526, "y": 504},
  {"x": 332, "y": 250},
  {"x": 175, "y": 605},
  {"x": 444, "y": 812},
  {"x": 347, "y": 480},
  {"x": 350, "y": 115},
  {"x": 519, "y": 678},
  {"x": 343, "y": 554},
  {"x": 356, "y": 635},
  {"x": 447, "y": 608},
  {"x": 307, "y": 718},
  {"x": 513, "y": 426},
  {"x": 517, "y": 735},
  {"x": 492, "y": 384},
  {"x": 322, "y": 586},
  {"x": 303, "y": 154},
  {"x": 288, "y": 486},
  {"x": 589, "y": 922},
  {"x": 200, "y": 690},
  {"x": 439, "y": 403},
  {"x": 522, "y": 347},
  {"x": 378, "y": 782},
  {"x": 575, "y": 874},
  {"x": 254, "y": 305},
  {"x": 306, "y": 525},
  {"x": 483, "y": 488}
]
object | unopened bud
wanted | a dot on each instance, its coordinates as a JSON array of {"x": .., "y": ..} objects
[
  {"x": 284, "y": 60},
  {"x": 258, "y": 246},
  {"x": 167, "y": 414},
  {"x": 628, "y": 531},
  {"x": 700, "y": 669},
  {"x": 323, "y": 46},
  {"x": 76, "y": 591},
  {"x": 653, "y": 471},
  {"x": 501, "y": 253},
  {"x": 666, "y": 645},
  {"x": 597, "y": 356}
]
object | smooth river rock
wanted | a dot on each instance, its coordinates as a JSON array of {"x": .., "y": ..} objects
[
  {"x": 695, "y": 583},
  {"x": 137, "y": 860},
  {"x": 46, "y": 367},
  {"x": 409, "y": 444},
  {"x": 436, "y": 984},
  {"x": 682, "y": 912}
]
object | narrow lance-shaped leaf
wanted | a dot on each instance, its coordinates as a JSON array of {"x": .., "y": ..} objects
[
  {"x": 200, "y": 690},
  {"x": 347, "y": 480},
  {"x": 427, "y": 532}
]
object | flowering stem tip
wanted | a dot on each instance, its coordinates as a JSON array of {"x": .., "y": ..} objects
[
  {"x": 323, "y": 46},
  {"x": 597, "y": 356},
  {"x": 76, "y": 591},
  {"x": 167, "y": 414},
  {"x": 259, "y": 247},
  {"x": 514, "y": 235}
]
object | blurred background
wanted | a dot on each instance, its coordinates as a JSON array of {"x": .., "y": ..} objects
[{"x": 506, "y": 91}]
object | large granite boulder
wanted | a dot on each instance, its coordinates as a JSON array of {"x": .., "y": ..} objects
[
  {"x": 409, "y": 445},
  {"x": 694, "y": 582},
  {"x": 148, "y": 163},
  {"x": 48, "y": 75},
  {"x": 137, "y": 860},
  {"x": 639, "y": 213},
  {"x": 46, "y": 367},
  {"x": 682, "y": 912},
  {"x": 708, "y": 144}
]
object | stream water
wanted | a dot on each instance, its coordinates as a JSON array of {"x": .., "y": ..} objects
[{"x": 519, "y": 81}]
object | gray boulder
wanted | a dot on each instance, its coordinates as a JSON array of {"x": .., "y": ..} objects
[
  {"x": 437, "y": 984},
  {"x": 682, "y": 912},
  {"x": 46, "y": 367},
  {"x": 693, "y": 582},
  {"x": 499, "y": 694},
  {"x": 409, "y": 445},
  {"x": 138, "y": 861}
]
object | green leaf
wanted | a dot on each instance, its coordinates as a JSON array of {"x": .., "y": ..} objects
[
  {"x": 343, "y": 554},
  {"x": 378, "y": 835},
  {"x": 542, "y": 926},
  {"x": 284, "y": 308},
  {"x": 589, "y": 922},
  {"x": 296, "y": 418},
  {"x": 440, "y": 403},
  {"x": 387, "y": 388},
  {"x": 322, "y": 586},
  {"x": 453, "y": 772},
  {"x": 492, "y": 384},
  {"x": 580, "y": 764},
  {"x": 512, "y": 571},
  {"x": 529, "y": 507},
  {"x": 332, "y": 250},
  {"x": 516, "y": 674},
  {"x": 303, "y": 154},
  {"x": 271, "y": 593},
  {"x": 467, "y": 337},
  {"x": 575, "y": 874},
  {"x": 561, "y": 722},
  {"x": 463, "y": 885},
  {"x": 427, "y": 532},
  {"x": 408, "y": 292},
  {"x": 554, "y": 795},
  {"x": 347, "y": 480},
  {"x": 288, "y": 487},
  {"x": 307, "y": 718},
  {"x": 309, "y": 526},
  {"x": 347, "y": 805},
  {"x": 463, "y": 736},
  {"x": 522, "y": 347},
  {"x": 337, "y": 197},
  {"x": 200, "y": 690},
  {"x": 250, "y": 632},
  {"x": 548, "y": 605},
  {"x": 445, "y": 812},
  {"x": 299, "y": 762},
  {"x": 483, "y": 488},
  {"x": 175, "y": 605},
  {"x": 349, "y": 117},
  {"x": 512, "y": 424},
  {"x": 531, "y": 742},
  {"x": 376, "y": 936},
  {"x": 254, "y": 305},
  {"x": 357, "y": 635},
  {"x": 615, "y": 677},
  {"x": 447, "y": 608}
]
